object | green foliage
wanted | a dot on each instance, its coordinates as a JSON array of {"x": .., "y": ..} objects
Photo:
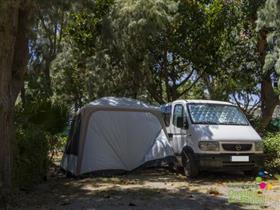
[
  {"x": 159, "y": 51},
  {"x": 56, "y": 144},
  {"x": 75, "y": 76},
  {"x": 73, "y": 83},
  {"x": 274, "y": 126},
  {"x": 141, "y": 46},
  {"x": 272, "y": 150},
  {"x": 85, "y": 25},
  {"x": 269, "y": 19},
  {"x": 38, "y": 125},
  {"x": 82, "y": 28},
  {"x": 31, "y": 157},
  {"x": 45, "y": 42},
  {"x": 46, "y": 115}
]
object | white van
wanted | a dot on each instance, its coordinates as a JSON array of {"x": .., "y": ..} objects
[{"x": 212, "y": 135}]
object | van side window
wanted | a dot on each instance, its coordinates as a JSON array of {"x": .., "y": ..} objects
[
  {"x": 166, "y": 114},
  {"x": 178, "y": 115}
]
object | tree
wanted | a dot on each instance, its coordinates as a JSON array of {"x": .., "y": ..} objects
[
  {"x": 238, "y": 71},
  {"x": 76, "y": 78},
  {"x": 16, "y": 21},
  {"x": 246, "y": 66},
  {"x": 140, "y": 45},
  {"x": 14, "y": 28},
  {"x": 268, "y": 47},
  {"x": 45, "y": 42},
  {"x": 206, "y": 34}
]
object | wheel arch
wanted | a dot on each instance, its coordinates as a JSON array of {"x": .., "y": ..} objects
[{"x": 187, "y": 149}]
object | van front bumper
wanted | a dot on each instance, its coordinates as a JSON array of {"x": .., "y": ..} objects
[{"x": 224, "y": 162}]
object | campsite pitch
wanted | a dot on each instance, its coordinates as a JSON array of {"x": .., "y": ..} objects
[{"x": 149, "y": 189}]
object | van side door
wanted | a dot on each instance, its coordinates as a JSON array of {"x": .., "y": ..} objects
[{"x": 179, "y": 129}]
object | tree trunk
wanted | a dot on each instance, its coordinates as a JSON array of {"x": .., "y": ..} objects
[
  {"x": 8, "y": 30},
  {"x": 13, "y": 61},
  {"x": 269, "y": 99},
  {"x": 269, "y": 102}
]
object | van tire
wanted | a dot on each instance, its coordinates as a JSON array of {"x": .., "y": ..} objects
[{"x": 189, "y": 164}]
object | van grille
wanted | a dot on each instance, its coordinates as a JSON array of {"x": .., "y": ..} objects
[{"x": 237, "y": 147}]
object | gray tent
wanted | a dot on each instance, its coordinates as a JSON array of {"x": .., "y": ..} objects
[{"x": 115, "y": 134}]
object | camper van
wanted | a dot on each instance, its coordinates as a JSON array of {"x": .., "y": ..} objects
[{"x": 212, "y": 135}]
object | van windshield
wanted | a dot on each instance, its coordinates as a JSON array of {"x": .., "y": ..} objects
[{"x": 217, "y": 114}]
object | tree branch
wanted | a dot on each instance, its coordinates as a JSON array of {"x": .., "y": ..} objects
[{"x": 187, "y": 89}]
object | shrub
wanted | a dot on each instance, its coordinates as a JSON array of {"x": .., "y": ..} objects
[
  {"x": 272, "y": 150},
  {"x": 31, "y": 157},
  {"x": 56, "y": 144},
  {"x": 38, "y": 126},
  {"x": 50, "y": 117},
  {"x": 274, "y": 126}
]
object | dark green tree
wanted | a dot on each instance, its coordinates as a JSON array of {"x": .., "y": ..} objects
[{"x": 268, "y": 45}]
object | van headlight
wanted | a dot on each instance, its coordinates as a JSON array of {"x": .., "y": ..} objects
[
  {"x": 259, "y": 146},
  {"x": 209, "y": 146}
]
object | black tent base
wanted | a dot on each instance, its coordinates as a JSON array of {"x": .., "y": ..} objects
[{"x": 166, "y": 162}]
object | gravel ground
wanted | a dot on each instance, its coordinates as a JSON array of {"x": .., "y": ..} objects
[{"x": 149, "y": 189}]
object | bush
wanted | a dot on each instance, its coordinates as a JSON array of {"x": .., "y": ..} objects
[
  {"x": 38, "y": 127},
  {"x": 31, "y": 157},
  {"x": 274, "y": 126},
  {"x": 272, "y": 150},
  {"x": 56, "y": 145},
  {"x": 48, "y": 116}
]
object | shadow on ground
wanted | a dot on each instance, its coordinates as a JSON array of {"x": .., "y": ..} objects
[
  {"x": 144, "y": 189},
  {"x": 225, "y": 177}
]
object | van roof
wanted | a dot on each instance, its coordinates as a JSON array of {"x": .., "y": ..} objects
[{"x": 201, "y": 101}]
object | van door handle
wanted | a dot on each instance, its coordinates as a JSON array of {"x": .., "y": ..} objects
[{"x": 170, "y": 135}]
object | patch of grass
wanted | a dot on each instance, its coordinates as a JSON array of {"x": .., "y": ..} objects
[{"x": 247, "y": 196}]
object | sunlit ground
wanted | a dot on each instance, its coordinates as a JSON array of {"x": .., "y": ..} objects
[{"x": 150, "y": 189}]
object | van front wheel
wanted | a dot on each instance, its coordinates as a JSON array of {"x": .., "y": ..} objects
[{"x": 189, "y": 165}]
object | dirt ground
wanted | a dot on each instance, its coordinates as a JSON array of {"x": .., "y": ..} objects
[{"x": 149, "y": 189}]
